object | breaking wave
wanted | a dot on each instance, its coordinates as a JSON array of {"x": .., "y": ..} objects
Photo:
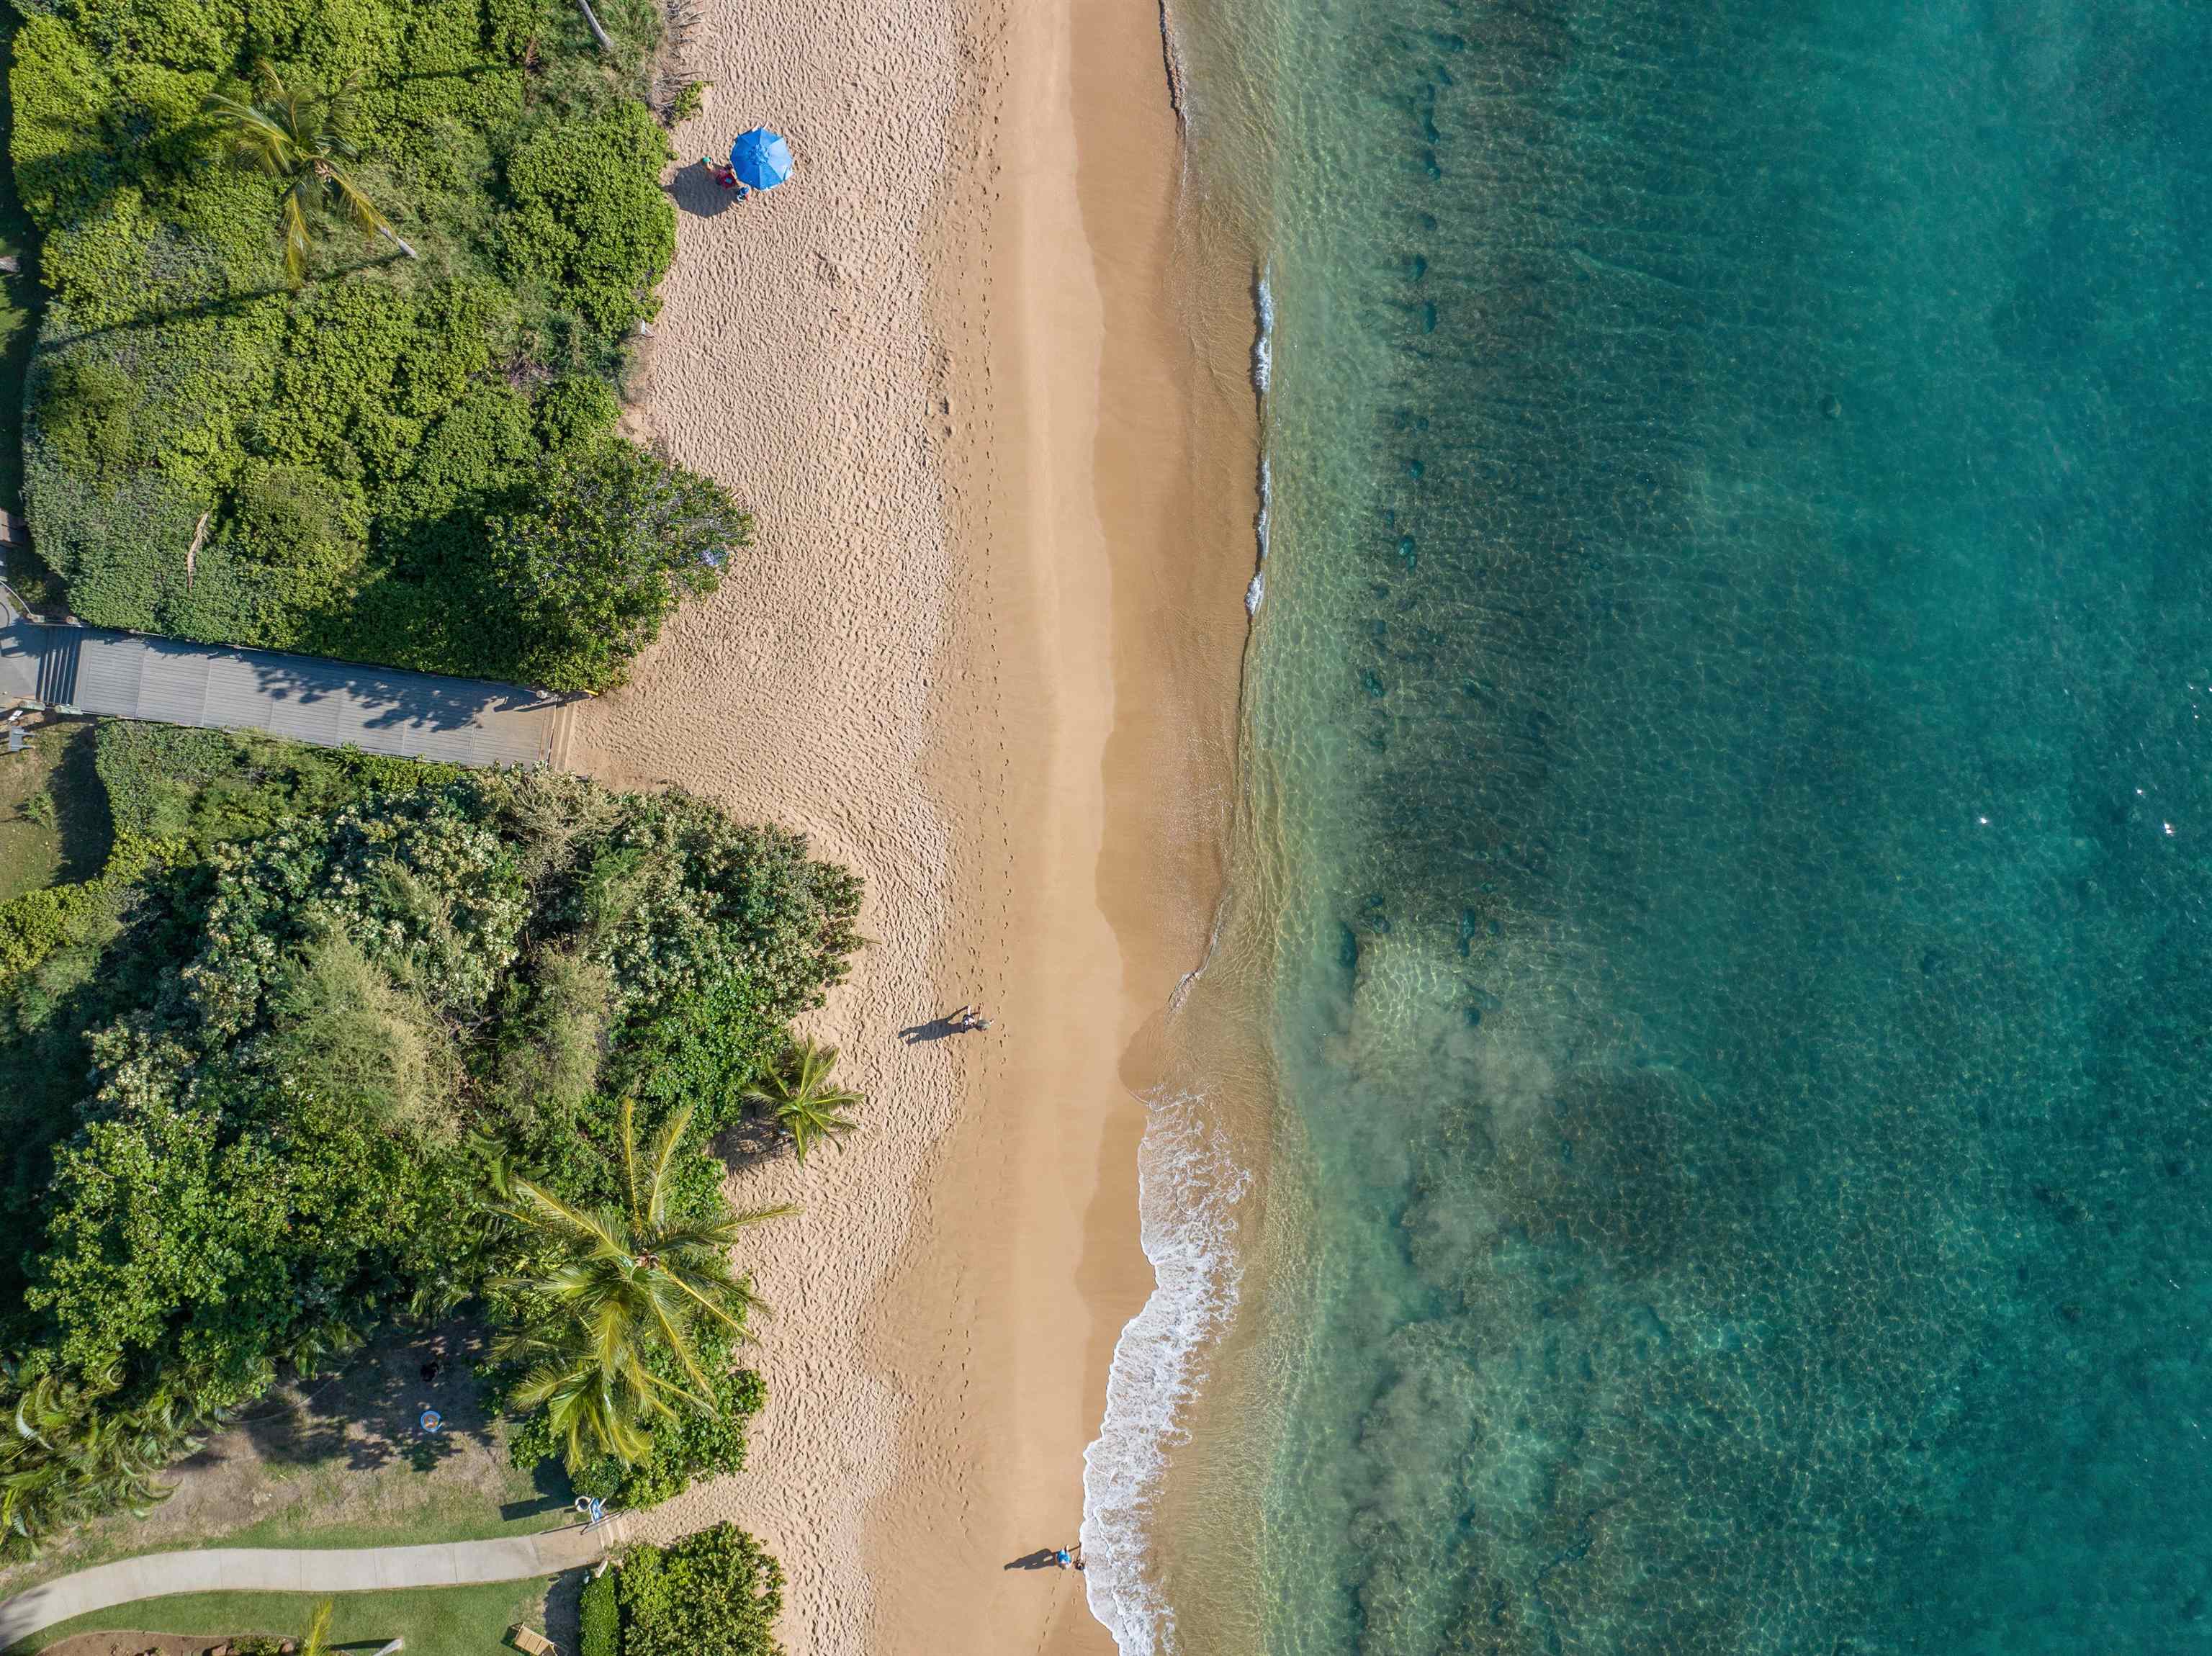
[{"x": 1190, "y": 1184}]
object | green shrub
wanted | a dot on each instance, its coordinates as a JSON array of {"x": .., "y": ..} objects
[
  {"x": 152, "y": 773},
  {"x": 599, "y": 1616},
  {"x": 573, "y": 412},
  {"x": 687, "y": 1448},
  {"x": 693, "y": 1447},
  {"x": 118, "y": 539},
  {"x": 595, "y": 558},
  {"x": 35, "y": 925},
  {"x": 290, "y": 1005},
  {"x": 85, "y": 413},
  {"x": 177, "y": 372},
  {"x": 480, "y": 448},
  {"x": 57, "y": 91},
  {"x": 715, "y": 1593},
  {"x": 688, "y": 102},
  {"x": 589, "y": 218},
  {"x": 293, "y": 546},
  {"x": 511, "y": 28}
]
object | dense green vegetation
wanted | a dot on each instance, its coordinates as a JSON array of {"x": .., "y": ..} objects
[
  {"x": 334, "y": 1040},
  {"x": 610, "y": 1315},
  {"x": 19, "y": 299},
  {"x": 599, "y": 1617},
  {"x": 715, "y": 1593},
  {"x": 338, "y": 296}
]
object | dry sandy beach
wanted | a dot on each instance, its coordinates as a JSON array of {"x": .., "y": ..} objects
[{"x": 986, "y": 652}]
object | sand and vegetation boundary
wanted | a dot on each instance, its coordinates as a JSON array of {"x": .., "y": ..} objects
[
  {"x": 339, "y": 301},
  {"x": 368, "y": 1040},
  {"x": 982, "y": 655}
]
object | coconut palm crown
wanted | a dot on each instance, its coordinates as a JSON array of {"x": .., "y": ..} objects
[
  {"x": 806, "y": 1103},
  {"x": 299, "y": 138},
  {"x": 625, "y": 1284}
]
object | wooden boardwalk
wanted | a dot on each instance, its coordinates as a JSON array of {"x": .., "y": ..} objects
[{"x": 332, "y": 704}]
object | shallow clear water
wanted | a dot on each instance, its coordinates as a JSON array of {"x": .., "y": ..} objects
[{"x": 1728, "y": 738}]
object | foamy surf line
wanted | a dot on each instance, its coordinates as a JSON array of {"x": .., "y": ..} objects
[
  {"x": 1263, "y": 369},
  {"x": 1188, "y": 1186}
]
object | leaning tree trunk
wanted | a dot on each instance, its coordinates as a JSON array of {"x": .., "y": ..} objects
[
  {"x": 598, "y": 34},
  {"x": 401, "y": 243}
]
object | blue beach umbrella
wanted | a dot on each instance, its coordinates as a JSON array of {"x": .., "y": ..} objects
[{"x": 760, "y": 159}]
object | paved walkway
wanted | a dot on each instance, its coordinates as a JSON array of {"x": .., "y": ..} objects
[
  {"x": 332, "y": 704},
  {"x": 278, "y": 1569}
]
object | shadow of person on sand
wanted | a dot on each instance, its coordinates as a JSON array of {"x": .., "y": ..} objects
[
  {"x": 1044, "y": 1558},
  {"x": 696, "y": 193},
  {"x": 936, "y": 1029}
]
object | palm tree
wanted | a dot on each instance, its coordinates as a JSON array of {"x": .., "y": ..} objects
[
  {"x": 628, "y": 1284},
  {"x": 798, "y": 1093},
  {"x": 317, "y": 1640},
  {"x": 299, "y": 139},
  {"x": 71, "y": 1456}
]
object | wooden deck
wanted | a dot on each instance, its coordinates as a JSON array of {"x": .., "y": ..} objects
[{"x": 302, "y": 698}]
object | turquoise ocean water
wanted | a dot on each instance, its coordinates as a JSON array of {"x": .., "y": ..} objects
[{"x": 1730, "y": 832}]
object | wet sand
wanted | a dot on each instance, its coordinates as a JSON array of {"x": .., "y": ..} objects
[{"x": 986, "y": 652}]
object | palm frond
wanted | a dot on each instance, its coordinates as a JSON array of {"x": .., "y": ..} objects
[
  {"x": 358, "y": 207},
  {"x": 660, "y": 1159},
  {"x": 297, "y": 200},
  {"x": 316, "y": 1639},
  {"x": 538, "y": 1207},
  {"x": 629, "y": 1154}
]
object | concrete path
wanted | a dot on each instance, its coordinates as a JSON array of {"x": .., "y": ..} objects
[
  {"x": 279, "y": 1569},
  {"x": 333, "y": 704}
]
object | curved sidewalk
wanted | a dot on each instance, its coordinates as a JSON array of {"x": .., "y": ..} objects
[{"x": 283, "y": 1569}]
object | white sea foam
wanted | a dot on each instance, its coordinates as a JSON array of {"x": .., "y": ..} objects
[
  {"x": 1190, "y": 1184},
  {"x": 1263, "y": 361},
  {"x": 1258, "y": 589},
  {"x": 1263, "y": 344}
]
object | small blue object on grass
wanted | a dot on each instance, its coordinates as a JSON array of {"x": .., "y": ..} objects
[
  {"x": 433, "y": 1422},
  {"x": 760, "y": 159}
]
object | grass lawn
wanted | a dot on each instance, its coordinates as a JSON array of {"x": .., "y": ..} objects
[
  {"x": 434, "y": 1620},
  {"x": 445, "y": 1518},
  {"x": 53, "y": 812}
]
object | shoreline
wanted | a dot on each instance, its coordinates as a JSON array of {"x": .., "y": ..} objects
[
  {"x": 1115, "y": 583},
  {"x": 991, "y": 665}
]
